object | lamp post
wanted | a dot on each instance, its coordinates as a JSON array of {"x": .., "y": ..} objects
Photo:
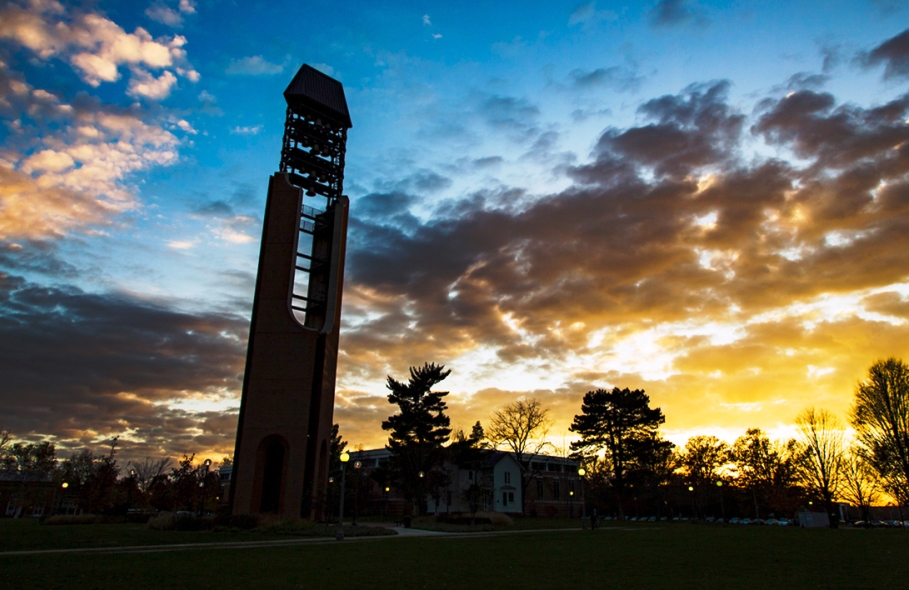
[
  {"x": 357, "y": 466},
  {"x": 387, "y": 489},
  {"x": 129, "y": 490},
  {"x": 345, "y": 457},
  {"x": 719, "y": 484},
  {"x": 693, "y": 510},
  {"x": 421, "y": 494},
  {"x": 581, "y": 473},
  {"x": 204, "y": 484}
]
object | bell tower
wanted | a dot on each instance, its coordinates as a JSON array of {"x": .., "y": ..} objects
[{"x": 283, "y": 437}]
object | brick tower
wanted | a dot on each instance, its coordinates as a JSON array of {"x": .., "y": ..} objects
[{"x": 283, "y": 437}]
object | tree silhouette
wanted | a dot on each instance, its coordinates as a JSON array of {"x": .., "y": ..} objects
[
  {"x": 880, "y": 417},
  {"x": 769, "y": 469},
  {"x": 521, "y": 428},
  {"x": 419, "y": 431},
  {"x": 622, "y": 423},
  {"x": 821, "y": 435}
]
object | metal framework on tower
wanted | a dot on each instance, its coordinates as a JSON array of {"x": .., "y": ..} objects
[{"x": 312, "y": 157}]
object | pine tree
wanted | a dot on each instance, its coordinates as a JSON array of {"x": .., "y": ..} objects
[{"x": 419, "y": 431}]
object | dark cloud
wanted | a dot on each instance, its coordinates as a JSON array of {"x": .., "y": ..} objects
[
  {"x": 215, "y": 209},
  {"x": 35, "y": 256},
  {"x": 673, "y": 13},
  {"x": 516, "y": 117},
  {"x": 80, "y": 366},
  {"x": 835, "y": 136},
  {"x": 670, "y": 221},
  {"x": 893, "y": 54},
  {"x": 691, "y": 130},
  {"x": 806, "y": 81},
  {"x": 615, "y": 78}
]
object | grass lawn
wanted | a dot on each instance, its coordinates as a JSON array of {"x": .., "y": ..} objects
[{"x": 662, "y": 555}]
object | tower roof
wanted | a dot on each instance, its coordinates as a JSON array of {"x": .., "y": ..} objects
[{"x": 313, "y": 90}]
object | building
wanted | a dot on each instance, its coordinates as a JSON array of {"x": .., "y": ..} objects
[{"x": 554, "y": 488}]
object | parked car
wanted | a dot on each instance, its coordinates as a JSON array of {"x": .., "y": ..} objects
[{"x": 735, "y": 520}]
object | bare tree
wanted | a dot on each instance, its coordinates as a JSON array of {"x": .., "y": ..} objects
[
  {"x": 148, "y": 470},
  {"x": 859, "y": 487},
  {"x": 821, "y": 434},
  {"x": 881, "y": 419},
  {"x": 521, "y": 427}
]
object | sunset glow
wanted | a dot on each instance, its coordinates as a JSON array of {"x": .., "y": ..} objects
[{"x": 709, "y": 201}]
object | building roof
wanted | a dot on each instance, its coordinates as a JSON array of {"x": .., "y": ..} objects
[
  {"x": 313, "y": 90},
  {"x": 24, "y": 476}
]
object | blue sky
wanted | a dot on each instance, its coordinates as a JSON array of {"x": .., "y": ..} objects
[{"x": 546, "y": 197}]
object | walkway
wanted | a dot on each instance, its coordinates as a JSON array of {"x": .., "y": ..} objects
[{"x": 401, "y": 533}]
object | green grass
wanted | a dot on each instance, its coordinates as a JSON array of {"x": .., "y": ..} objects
[
  {"x": 29, "y": 534},
  {"x": 661, "y": 555}
]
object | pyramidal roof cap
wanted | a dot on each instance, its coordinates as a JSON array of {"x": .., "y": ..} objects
[{"x": 312, "y": 89}]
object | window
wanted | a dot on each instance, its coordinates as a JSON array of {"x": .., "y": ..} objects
[
  {"x": 556, "y": 492},
  {"x": 540, "y": 488},
  {"x": 507, "y": 477},
  {"x": 511, "y": 497},
  {"x": 504, "y": 498}
]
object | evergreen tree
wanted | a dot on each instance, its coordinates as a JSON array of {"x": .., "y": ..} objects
[
  {"x": 622, "y": 423},
  {"x": 419, "y": 431}
]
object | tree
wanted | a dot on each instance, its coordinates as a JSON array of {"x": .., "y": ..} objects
[
  {"x": 418, "y": 431},
  {"x": 859, "y": 487},
  {"x": 768, "y": 469},
  {"x": 622, "y": 423},
  {"x": 150, "y": 469},
  {"x": 521, "y": 427},
  {"x": 880, "y": 416},
  {"x": 701, "y": 461},
  {"x": 821, "y": 435}
]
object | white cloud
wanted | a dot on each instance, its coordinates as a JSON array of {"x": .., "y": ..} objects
[
  {"x": 426, "y": 21},
  {"x": 181, "y": 245},
  {"x": 143, "y": 84},
  {"x": 233, "y": 236},
  {"x": 436, "y": 35},
  {"x": 94, "y": 45},
  {"x": 254, "y": 65},
  {"x": 48, "y": 161},
  {"x": 164, "y": 15},
  {"x": 250, "y": 130},
  {"x": 185, "y": 126},
  {"x": 325, "y": 69}
]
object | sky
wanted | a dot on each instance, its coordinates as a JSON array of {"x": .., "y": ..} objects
[{"x": 705, "y": 200}]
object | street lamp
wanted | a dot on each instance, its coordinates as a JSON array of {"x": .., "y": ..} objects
[
  {"x": 719, "y": 484},
  {"x": 204, "y": 484},
  {"x": 345, "y": 457},
  {"x": 581, "y": 473},
  {"x": 357, "y": 466},
  {"x": 129, "y": 490}
]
